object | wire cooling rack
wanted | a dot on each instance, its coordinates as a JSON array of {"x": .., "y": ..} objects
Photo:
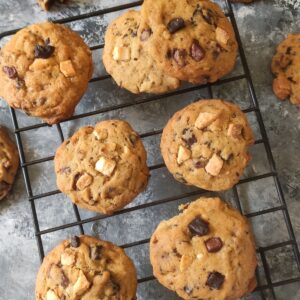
[{"x": 271, "y": 255}]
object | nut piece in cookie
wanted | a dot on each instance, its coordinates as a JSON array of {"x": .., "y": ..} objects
[
  {"x": 205, "y": 252},
  {"x": 107, "y": 274},
  {"x": 212, "y": 138},
  {"x": 9, "y": 163},
  {"x": 102, "y": 168},
  {"x": 50, "y": 73},
  {"x": 285, "y": 67}
]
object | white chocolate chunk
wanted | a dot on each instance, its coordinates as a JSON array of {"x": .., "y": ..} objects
[
  {"x": 84, "y": 181},
  {"x": 121, "y": 53},
  {"x": 222, "y": 36},
  {"x": 105, "y": 166},
  {"x": 235, "y": 130},
  {"x": 199, "y": 256},
  {"x": 66, "y": 67},
  {"x": 183, "y": 154},
  {"x": 67, "y": 258},
  {"x": 51, "y": 295},
  {"x": 81, "y": 285},
  {"x": 214, "y": 165},
  {"x": 205, "y": 118}
]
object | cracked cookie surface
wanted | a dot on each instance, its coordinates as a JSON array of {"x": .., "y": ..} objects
[
  {"x": 9, "y": 163},
  {"x": 102, "y": 168},
  {"x": 206, "y": 144},
  {"x": 206, "y": 252},
  {"x": 85, "y": 268},
  {"x": 286, "y": 68},
  {"x": 126, "y": 57},
  {"x": 44, "y": 70},
  {"x": 192, "y": 40}
]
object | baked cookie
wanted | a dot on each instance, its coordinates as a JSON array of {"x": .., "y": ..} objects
[
  {"x": 126, "y": 57},
  {"x": 191, "y": 40},
  {"x": 206, "y": 252},
  {"x": 88, "y": 269},
  {"x": 45, "y": 4},
  {"x": 102, "y": 168},
  {"x": 9, "y": 163},
  {"x": 44, "y": 70},
  {"x": 205, "y": 144},
  {"x": 285, "y": 67}
]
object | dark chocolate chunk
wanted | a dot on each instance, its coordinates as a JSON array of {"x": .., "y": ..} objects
[
  {"x": 188, "y": 290},
  {"x": 208, "y": 16},
  {"x": 11, "y": 72},
  {"x": 200, "y": 164},
  {"x": 198, "y": 227},
  {"x": 175, "y": 24},
  {"x": 288, "y": 50},
  {"x": 189, "y": 137},
  {"x": 196, "y": 51},
  {"x": 179, "y": 56},
  {"x": 44, "y": 51},
  {"x": 95, "y": 252},
  {"x": 215, "y": 280},
  {"x": 75, "y": 241},
  {"x": 214, "y": 244},
  {"x": 146, "y": 33}
]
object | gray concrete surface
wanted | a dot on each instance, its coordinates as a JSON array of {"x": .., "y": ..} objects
[{"x": 262, "y": 25}]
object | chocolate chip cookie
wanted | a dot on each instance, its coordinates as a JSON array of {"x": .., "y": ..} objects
[
  {"x": 102, "y": 168},
  {"x": 45, "y": 4},
  {"x": 205, "y": 144},
  {"x": 9, "y": 163},
  {"x": 88, "y": 269},
  {"x": 44, "y": 70},
  {"x": 285, "y": 67},
  {"x": 126, "y": 57},
  {"x": 206, "y": 252},
  {"x": 191, "y": 40}
]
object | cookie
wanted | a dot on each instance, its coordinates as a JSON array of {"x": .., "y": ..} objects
[
  {"x": 191, "y": 40},
  {"x": 45, "y": 4},
  {"x": 102, "y": 168},
  {"x": 88, "y": 269},
  {"x": 9, "y": 163},
  {"x": 126, "y": 57},
  {"x": 44, "y": 70},
  {"x": 206, "y": 252},
  {"x": 285, "y": 67},
  {"x": 205, "y": 144}
]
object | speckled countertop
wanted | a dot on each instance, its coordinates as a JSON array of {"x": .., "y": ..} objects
[{"x": 262, "y": 25}]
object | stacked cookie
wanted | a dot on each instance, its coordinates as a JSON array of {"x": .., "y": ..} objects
[{"x": 169, "y": 41}]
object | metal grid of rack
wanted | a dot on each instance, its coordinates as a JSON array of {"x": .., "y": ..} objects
[{"x": 268, "y": 284}]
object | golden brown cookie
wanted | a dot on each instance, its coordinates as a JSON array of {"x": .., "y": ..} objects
[
  {"x": 9, "y": 163},
  {"x": 44, "y": 70},
  {"x": 285, "y": 67},
  {"x": 206, "y": 144},
  {"x": 126, "y": 57},
  {"x": 102, "y": 168},
  {"x": 192, "y": 40},
  {"x": 45, "y": 4},
  {"x": 86, "y": 268},
  {"x": 206, "y": 252}
]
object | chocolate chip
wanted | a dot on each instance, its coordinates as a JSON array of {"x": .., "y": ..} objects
[
  {"x": 200, "y": 164},
  {"x": 95, "y": 252},
  {"x": 208, "y": 16},
  {"x": 146, "y": 33},
  {"x": 188, "y": 290},
  {"x": 75, "y": 241},
  {"x": 215, "y": 280},
  {"x": 11, "y": 72},
  {"x": 43, "y": 51},
  {"x": 198, "y": 227},
  {"x": 64, "y": 281},
  {"x": 288, "y": 50},
  {"x": 175, "y": 24},
  {"x": 214, "y": 244},
  {"x": 189, "y": 137},
  {"x": 196, "y": 51},
  {"x": 179, "y": 56}
]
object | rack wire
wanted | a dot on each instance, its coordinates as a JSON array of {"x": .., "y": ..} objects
[{"x": 269, "y": 285}]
